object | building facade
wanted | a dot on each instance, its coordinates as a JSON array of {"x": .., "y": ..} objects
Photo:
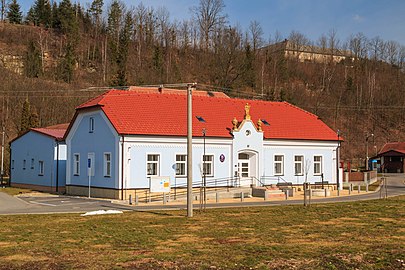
[
  {"x": 38, "y": 159},
  {"x": 131, "y": 137}
]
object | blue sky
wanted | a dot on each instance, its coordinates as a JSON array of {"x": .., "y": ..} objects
[{"x": 384, "y": 18}]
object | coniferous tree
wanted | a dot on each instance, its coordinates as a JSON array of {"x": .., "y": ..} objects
[
  {"x": 55, "y": 16},
  {"x": 120, "y": 78},
  {"x": 34, "y": 118},
  {"x": 113, "y": 28},
  {"x": 31, "y": 17},
  {"x": 25, "y": 117},
  {"x": 67, "y": 64},
  {"x": 14, "y": 14},
  {"x": 248, "y": 67},
  {"x": 40, "y": 13},
  {"x": 33, "y": 63},
  {"x": 67, "y": 22}
]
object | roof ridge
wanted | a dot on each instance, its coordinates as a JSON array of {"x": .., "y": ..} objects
[
  {"x": 94, "y": 98},
  {"x": 300, "y": 109}
]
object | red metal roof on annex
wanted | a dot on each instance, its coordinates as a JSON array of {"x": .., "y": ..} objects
[
  {"x": 133, "y": 113},
  {"x": 393, "y": 146},
  {"x": 56, "y": 131}
]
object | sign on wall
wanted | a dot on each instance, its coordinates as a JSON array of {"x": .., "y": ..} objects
[
  {"x": 160, "y": 184},
  {"x": 222, "y": 158}
]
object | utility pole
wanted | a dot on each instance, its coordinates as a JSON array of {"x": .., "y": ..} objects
[
  {"x": 337, "y": 164},
  {"x": 2, "y": 157},
  {"x": 368, "y": 136},
  {"x": 189, "y": 150}
]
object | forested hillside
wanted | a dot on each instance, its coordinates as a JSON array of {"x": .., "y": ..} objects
[{"x": 52, "y": 58}]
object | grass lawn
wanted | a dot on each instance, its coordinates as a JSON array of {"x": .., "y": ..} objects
[
  {"x": 360, "y": 235},
  {"x": 14, "y": 191}
]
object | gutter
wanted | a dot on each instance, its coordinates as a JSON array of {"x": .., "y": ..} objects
[
  {"x": 122, "y": 168},
  {"x": 57, "y": 166}
]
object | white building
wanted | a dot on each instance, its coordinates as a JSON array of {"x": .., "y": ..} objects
[{"x": 131, "y": 136}]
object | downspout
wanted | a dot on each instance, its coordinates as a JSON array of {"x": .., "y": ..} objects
[
  {"x": 122, "y": 169},
  {"x": 9, "y": 167},
  {"x": 57, "y": 166}
]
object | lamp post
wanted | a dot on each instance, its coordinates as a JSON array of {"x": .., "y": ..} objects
[
  {"x": 337, "y": 162},
  {"x": 2, "y": 158},
  {"x": 367, "y": 137},
  {"x": 204, "y": 170}
]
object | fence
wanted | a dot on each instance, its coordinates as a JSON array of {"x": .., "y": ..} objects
[{"x": 366, "y": 177}]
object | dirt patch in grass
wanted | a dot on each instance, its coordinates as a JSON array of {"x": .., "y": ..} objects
[
  {"x": 7, "y": 244},
  {"x": 24, "y": 258}
]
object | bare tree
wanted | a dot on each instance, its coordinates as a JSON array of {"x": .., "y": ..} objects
[
  {"x": 3, "y": 9},
  {"x": 298, "y": 41},
  {"x": 256, "y": 34},
  {"x": 209, "y": 15}
]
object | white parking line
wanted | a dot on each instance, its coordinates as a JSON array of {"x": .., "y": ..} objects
[{"x": 48, "y": 204}]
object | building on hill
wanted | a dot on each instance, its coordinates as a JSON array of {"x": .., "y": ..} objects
[
  {"x": 131, "y": 137},
  {"x": 38, "y": 159},
  {"x": 308, "y": 53},
  {"x": 390, "y": 159}
]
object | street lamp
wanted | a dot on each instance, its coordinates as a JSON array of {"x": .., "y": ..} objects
[
  {"x": 204, "y": 170},
  {"x": 367, "y": 137},
  {"x": 337, "y": 161},
  {"x": 204, "y": 131}
]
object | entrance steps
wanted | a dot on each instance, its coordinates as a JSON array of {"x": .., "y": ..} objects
[{"x": 268, "y": 192}]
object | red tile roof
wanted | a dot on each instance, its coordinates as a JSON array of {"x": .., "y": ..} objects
[
  {"x": 136, "y": 113},
  {"x": 393, "y": 146}
]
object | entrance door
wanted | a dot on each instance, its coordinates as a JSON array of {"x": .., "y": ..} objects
[{"x": 244, "y": 169}]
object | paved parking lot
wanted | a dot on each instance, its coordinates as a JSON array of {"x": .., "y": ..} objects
[
  {"x": 65, "y": 204},
  {"x": 53, "y": 204}
]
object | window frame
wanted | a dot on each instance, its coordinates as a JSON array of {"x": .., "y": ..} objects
[
  {"x": 91, "y": 124},
  {"x": 211, "y": 173},
  {"x": 153, "y": 162},
  {"x": 184, "y": 162},
  {"x": 107, "y": 164},
  {"x": 76, "y": 164},
  {"x": 320, "y": 165},
  {"x": 275, "y": 162},
  {"x": 41, "y": 167},
  {"x": 301, "y": 173}
]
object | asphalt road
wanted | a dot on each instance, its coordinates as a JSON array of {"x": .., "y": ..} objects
[{"x": 67, "y": 204}]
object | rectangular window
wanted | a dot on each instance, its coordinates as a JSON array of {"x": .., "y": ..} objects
[
  {"x": 299, "y": 165},
  {"x": 208, "y": 165},
  {"x": 278, "y": 165},
  {"x": 24, "y": 164},
  {"x": 107, "y": 164},
  {"x": 12, "y": 164},
  {"x": 41, "y": 167},
  {"x": 181, "y": 165},
  {"x": 152, "y": 165},
  {"x": 32, "y": 163},
  {"x": 76, "y": 164},
  {"x": 91, "y": 125},
  {"x": 317, "y": 165}
]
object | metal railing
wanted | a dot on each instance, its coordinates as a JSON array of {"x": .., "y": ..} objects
[
  {"x": 273, "y": 180},
  {"x": 180, "y": 189}
]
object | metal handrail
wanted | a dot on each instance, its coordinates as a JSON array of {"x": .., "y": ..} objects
[{"x": 216, "y": 183}]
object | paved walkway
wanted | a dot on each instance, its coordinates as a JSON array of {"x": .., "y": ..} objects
[{"x": 40, "y": 204}]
